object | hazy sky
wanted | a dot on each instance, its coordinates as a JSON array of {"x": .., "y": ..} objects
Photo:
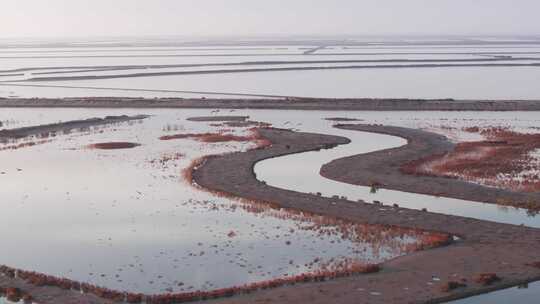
[{"x": 61, "y": 18}]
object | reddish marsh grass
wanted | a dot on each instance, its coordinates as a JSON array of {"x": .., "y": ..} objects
[
  {"x": 209, "y": 137},
  {"x": 503, "y": 160},
  {"x": 254, "y": 136},
  {"x": 39, "y": 279}
]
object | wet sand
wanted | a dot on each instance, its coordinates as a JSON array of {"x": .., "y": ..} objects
[{"x": 384, "y": 169}]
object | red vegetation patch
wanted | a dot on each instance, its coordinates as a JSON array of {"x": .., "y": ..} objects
[
  {"x": 187, "y": 173},
  {"x": 503, "y": 160},
  {"x": 113, "y": 145},
  {"x": 486, "y": 278},
  {"x": 228, "y": 292},
  {"x": 208, "y": 137},
  {"x": 260, "y": 143},
  {"x": 222, "y": 137},
  {"x": 38, "y": 279}
]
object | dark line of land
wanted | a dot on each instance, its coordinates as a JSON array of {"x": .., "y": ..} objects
[
  {"x": 255, "y": 63},
  {"x": 255, "y": 70},
  {"x": 331, "y": 41},
  {"x": 243, "y": 95},
  {"x": 8, "y": 134},
  {"x": 273, "y": 54},
  {"x": 292, "y": 103}
]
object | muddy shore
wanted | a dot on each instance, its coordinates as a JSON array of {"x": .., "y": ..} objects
[
  {"x": 383, "y": 168},
  {"x": 359, "y": 104},
  {"x": 485, "y": 246}
]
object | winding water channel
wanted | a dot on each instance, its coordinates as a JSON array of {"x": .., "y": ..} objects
[{"x": 300, "y": 172}]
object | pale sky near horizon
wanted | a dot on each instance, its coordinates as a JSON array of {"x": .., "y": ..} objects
[{"x": 67, "y": 18}]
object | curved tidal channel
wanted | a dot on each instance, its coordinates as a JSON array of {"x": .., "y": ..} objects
[{"x": 300, "y": 172}]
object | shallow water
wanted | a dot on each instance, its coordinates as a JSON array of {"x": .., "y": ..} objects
[
  {"x": 127, "y": 220},
  {"x": 459, "y": 82},
  {"x": 6, "y": 301},
  {"x": 524, "y": 294}
]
